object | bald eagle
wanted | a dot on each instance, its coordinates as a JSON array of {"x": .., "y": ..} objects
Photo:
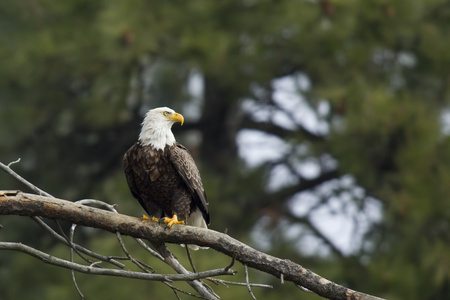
[{"x": 162, "y": 175}]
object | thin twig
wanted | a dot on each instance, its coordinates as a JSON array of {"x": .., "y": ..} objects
[
  {"x": 94, "y": 264},
  {"x": 233, "y": 259},
  {"x": 174, "y": 288},
  {"x": 144, "y": 267},
  {"x": 203, "y": 289},
  {"x": 14, "y": 162},
  {"x": 72, "y": 231},
  {"x": 190, "y": 258},
  {"x": 303, "y": 288},
  {"x": 225, "y": 282},
  {"x": 248, "y": 283},
  {"x": 94, "y": 202},
  {"x": 10, "y": 171},
  {"x": 176, "y": 294},
  {"x": 109, "y": 259},
  {"x": 148, "y": 249},
  {"x": 70, "y": 242}
]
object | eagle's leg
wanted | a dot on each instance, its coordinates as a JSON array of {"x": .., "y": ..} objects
[
  {"x": 144, "y": 217},
  {"x": 171, "y": 221}
]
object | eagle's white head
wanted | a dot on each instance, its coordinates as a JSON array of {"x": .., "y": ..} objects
[{"x": 156, "y": 127}]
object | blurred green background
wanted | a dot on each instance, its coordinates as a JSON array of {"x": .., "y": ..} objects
[{"x": 321, "y": 129}]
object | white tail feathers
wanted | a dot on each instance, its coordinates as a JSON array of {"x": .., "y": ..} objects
[{"x": 196, "y": 219}]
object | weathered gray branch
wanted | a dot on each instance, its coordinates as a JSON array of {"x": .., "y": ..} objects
[
  {"x": 169, "y": 259},
  {"x": 204, "y": 291},
  {"x": 92, "y": 269},
  {"x": 18, "y": 203},
  {"x": 77, "y": 247}
]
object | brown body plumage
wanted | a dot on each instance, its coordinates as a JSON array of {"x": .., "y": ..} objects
[
  {"x": 162, "y": 175},
  {"x": 165, "y": 182}
]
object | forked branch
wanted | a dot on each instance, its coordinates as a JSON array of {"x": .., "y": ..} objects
[
  {"x": 45, "y": 205},
  {"x": 23, "y": 204}
]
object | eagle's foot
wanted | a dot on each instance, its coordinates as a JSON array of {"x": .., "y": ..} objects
[
  {"x": 144, "y": 217},
  {"x": 170, "y": 221}
]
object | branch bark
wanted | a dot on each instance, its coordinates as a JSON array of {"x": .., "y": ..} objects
[{"x": 23, "y": 204}]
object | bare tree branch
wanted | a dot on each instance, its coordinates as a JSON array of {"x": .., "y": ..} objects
[
  {"x": 18, "y": 203},
  {"x": 204, "y": 291},
  {"x": 249, "y": 288},
  {"x": 76, "y": 247},
  {"x": 170, "y": 259},
  {"x": 11, "y": 172},
  {"x": 93, "y": 269}
]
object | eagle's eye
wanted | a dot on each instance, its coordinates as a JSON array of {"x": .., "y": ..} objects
[{"x": 166, "y": 113}]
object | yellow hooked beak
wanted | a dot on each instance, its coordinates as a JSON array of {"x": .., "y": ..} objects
[{"x": 177, "y": 118}]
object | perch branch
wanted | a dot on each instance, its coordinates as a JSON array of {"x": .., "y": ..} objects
[
  {"x": 198, "y": 286},
  {"x": 18, "y": 203}
]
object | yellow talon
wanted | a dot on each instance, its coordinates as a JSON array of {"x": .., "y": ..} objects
[
  {"x": 171, "y": 221},
  {"x": 144, "y": 217}
]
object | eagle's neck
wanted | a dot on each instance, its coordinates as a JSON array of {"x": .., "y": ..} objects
[{"x": 157, "y": 135}]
